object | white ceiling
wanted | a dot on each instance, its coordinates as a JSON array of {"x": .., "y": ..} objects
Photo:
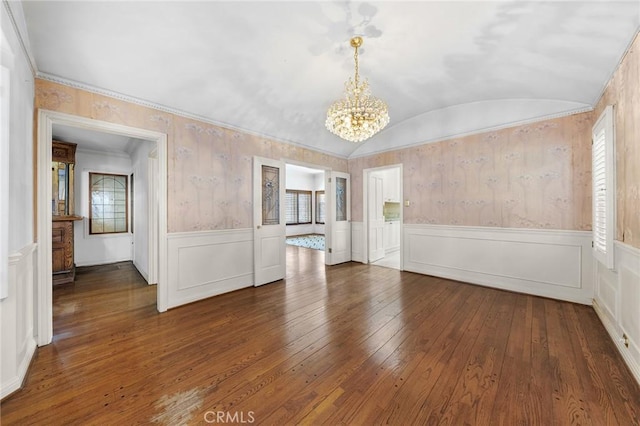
[
  {"x": 273, "y": 68},
  {"x": 93, "y": 141}
]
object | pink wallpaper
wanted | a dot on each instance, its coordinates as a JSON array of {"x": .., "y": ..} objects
[
  {"x": 623, "y": 91},
  {"x": 531, "y": 176},
  {"x": 210, "y": 167}
]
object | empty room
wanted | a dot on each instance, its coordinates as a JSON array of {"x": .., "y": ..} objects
[{"x": 281, "y": 213}]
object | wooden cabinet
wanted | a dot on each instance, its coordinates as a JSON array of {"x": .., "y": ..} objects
[
  {"x": 64, "y": 268},
  {"x": 63, "y": 156},
  {"x": 391, "y": 188}
]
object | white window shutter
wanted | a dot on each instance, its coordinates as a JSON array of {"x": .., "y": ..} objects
[{"x": 603, "y": 188}]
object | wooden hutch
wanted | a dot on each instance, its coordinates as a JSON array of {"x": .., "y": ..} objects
[{"x": 62, "y": 204}]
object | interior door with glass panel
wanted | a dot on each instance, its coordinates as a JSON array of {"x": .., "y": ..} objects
[
  {"x": 338, "y": 228},
  {"x": 269, "y": 231}
]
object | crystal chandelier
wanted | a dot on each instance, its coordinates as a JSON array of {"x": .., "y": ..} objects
[{"x": 357, "y": 116}]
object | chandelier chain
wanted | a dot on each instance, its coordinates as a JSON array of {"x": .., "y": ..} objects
[{"x": 355, "y": 57}]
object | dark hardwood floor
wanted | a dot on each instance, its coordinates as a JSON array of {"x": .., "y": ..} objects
[{"x": 350, "y": 344}]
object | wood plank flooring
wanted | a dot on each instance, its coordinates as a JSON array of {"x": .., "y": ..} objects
[{"x": 350, "y": 344}]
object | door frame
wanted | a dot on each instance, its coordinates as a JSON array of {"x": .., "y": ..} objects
[
  {"x": 152, "y": 215},
  {"x": 365, "y": 209},
  {"x": 325, "y": 170},
  {"x": 44, "y": 286}
]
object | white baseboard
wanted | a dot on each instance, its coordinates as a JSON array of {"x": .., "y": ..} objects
[
  {"x": 15, "y": 382},
  {"x": 142, "y": 272},
  {"x": 205, "y": 264},
  {"x": 102, "y": 261},
  {"x": 549, "y": 263}
]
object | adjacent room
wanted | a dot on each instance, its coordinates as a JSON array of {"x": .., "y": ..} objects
[{"x": 351, "y": 212}]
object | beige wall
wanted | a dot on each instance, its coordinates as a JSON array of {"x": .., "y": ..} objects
[
  {"x": 623, "y": 91},
  {"x": 531, "y": 176},
  {"x": 209, "y": 168}
]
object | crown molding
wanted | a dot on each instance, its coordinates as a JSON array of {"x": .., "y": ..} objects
[
  {"x": 481, "y": 130},
  {"x": 9, "y": 7},
  {"x": 615, "y": 70},
  {"x": 148, "y": 104}
]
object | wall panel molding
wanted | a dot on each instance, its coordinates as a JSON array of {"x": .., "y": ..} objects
[
  {"x": 17, "y": 342},
  {"x": 617, "y": 302},
  {"x": 357, "y": 239},
  {"x": 208, "y": 263},
  {"x": 548, "y": 263}
]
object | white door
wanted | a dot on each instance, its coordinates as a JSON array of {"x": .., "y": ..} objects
[
  {"x": 153, "y": 211},
  {"x": 376, "y": 218},
  {"x": 269, "y": 232},
  {"x": 338, "y": 228}
]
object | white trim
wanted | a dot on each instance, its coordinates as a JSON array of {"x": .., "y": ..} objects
[
  {"x": 365, "y": 205},
  {"x": 207, "y": 263},
  {"x": 616, "y": 301},
  {"x": 612, "y": 329},
  {"x": 16, "y": 382},
  {"x": 357, "y": 250},
  {"x": 46, "y": 120},
  {"x": 604, "y": 188},
  {"x": 17, "y": 320},
  {"x": 5, "y": 116},
  {"x": 548, "y": 263},
  {"x": 13, "y": 8}
]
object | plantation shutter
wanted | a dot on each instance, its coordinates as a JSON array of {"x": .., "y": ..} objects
[
  {"x": 603, "y": 188},
  {"x": 304, "y": 207},
  {"x": 291, "y": 207}
]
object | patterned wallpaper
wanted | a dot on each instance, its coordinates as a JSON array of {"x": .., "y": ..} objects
[
  {"x": 210, "y": 167},
  {"x": 530, "y": 176},
  {"x": 623, "y": 91}
]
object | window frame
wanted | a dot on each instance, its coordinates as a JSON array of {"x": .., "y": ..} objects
[
  {"x": 297, "y": 193},
  {"x": 126, "y": 204},
  {"x": 324, "y": 208},
  {"x": 603, "y": 187}
]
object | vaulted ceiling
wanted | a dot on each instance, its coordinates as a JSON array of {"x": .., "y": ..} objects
[{"x": 273, "y": 68}]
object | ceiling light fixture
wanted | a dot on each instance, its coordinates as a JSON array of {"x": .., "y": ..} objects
[{"x": 359, "y": 115}]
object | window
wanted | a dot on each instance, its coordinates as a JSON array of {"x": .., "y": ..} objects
[
  {"x": 320, "y": 200},
  {"x": 603, "y": 175},
  {"x": 298, "y": 207},
  {"x": 107, "y": 203}
]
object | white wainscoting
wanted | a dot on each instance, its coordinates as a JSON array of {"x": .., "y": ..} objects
[
  {"x": 205, "y": 264},
  {"x": 357, "y": 240},
  {"x": 617, "y": 302},
  {"x": 550, "y": 263},
  {"x": 17, "y": 343}
]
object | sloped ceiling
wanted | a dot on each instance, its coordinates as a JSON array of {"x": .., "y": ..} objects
[{"x": 273, "y": 68}]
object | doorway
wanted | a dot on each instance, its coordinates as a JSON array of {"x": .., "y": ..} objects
[
  {"x": 382, "y": 216},
  {"x": 270, "y": 231},
  {"x": 46, "y": 122}
]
